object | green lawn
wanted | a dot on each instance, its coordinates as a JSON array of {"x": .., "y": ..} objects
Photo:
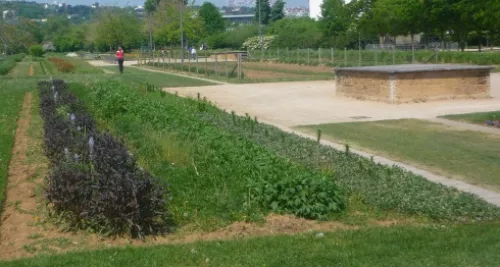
[
  {"x": 477, "y": 118},
  {"x": 463, "y": 245},
  {"x": 11, "y": 97},
  {"x": 134, "y": 75},
  {"x": 472, "y": 156}
]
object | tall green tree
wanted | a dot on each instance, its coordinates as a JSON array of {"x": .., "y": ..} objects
[
  {"x": 214, "y": 23},
  {"x": 335, "y": 21},
  {"x": 117, "y": 28},
  {"x": 277, "y": 11},
  {"x": 398, "y": 17},
  {"x": 262, "y": 11}
]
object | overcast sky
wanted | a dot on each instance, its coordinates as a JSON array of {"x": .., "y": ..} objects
[{"x": 289, "y": 3}]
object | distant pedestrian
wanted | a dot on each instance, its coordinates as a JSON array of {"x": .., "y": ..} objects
[
  {"x": 193, "y": 53},
  {"x": 120, "y": 57}
]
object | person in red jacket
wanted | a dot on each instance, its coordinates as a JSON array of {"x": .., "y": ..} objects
[{"x": 120, "y": 56}]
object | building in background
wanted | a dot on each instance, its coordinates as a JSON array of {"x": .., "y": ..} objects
[{"x": 296, "y": 12}]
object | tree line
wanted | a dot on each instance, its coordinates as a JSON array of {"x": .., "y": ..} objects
[{"x": 341, "y": 25}]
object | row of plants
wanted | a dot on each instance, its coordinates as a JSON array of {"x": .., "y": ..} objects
[
  {"x": 193, "y": 120},
  {"x": 62, "y": 65},
  {"x": 218, "y": 177},
  {"x": 7, "y": 63},
  {"x": 94, "y": 182},
  {"x": 372, "y": 57}
]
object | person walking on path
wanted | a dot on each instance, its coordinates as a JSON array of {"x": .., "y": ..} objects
[
  {"x": 120, "y": 57},
  {"x": 193, "y": 53}
]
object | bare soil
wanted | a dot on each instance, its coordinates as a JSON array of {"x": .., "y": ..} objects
[
  {"x": 30, "y": 70},
  {"x": 293, "y": 67}
]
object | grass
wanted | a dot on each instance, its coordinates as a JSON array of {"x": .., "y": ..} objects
[
  {"x": 11, "y": 96},
  {"x": 21, "y": 69},
  {"x": 133, "y": 75},
  {"x": 461, "y": 245},
  {"x": 472, "y": 156},
  {"x": 476, "y": 118}
]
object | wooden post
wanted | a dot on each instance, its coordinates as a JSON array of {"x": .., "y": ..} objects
[
  {"x": 225, "y": 65},
  {"x": 206, "y": 63}
]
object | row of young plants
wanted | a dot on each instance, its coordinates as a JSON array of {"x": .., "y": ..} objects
[
  {"x": 7, "y": 63},
  {"x": 94, "y": 182},
  {"x": 224, "y": 177},
  {"x": 200, "y": 122}
]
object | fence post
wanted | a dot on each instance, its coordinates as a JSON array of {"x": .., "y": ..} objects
[
  {"x": 287, "y": 55},
  {"x": 239, "y": 66},
  {"x": 359, "y": 55},
  {"x": 319, "y": 55},
  {"x": 331, "y": 54},
  {"x": 215, "y": 64},
  {"x": 278, "y": 54},
  {"x": 345, "y": 56},
  {"x": 393, "y": 54},
  {"x": 376, "y": 57},
  {"x": 298, "y": 56},
  {"x": 225, "y": 65},
  {"x": 412, "y": 54},
  {"x": 206, "y": 63},
  {"x": 308, "y": 56},
  {"x": 197, "y": 71}
]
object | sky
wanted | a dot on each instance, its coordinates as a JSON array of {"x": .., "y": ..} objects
[{"x": 289, "y": 3}]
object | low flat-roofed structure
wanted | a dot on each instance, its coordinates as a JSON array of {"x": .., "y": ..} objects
[{"x": 414, "y": 82}]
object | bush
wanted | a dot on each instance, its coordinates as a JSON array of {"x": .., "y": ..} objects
[
  {"x": 302, "y": 196},
  {"x": 94, "y": 182},
  {"x": 36, "y": 50}
]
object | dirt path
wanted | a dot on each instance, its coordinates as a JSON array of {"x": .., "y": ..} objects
[
  {"x": 30, "y": 70},
  {"x": 20, "y": 202},
  {"x": 467, "y": 126},
  {"x": 314, "y": 102}
]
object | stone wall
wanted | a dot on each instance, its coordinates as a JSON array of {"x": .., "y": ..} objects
[
  {"x": 426, "y": 86},
  {"x": 363, "y": 85},
  {"x": 414, "y": 86}
]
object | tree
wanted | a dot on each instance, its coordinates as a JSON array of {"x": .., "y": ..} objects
[
  {"x": 262, "y": 11},
  {"x": 117, "y": 28},
  {"x": 296, "y": 33},
  {"x": 277, "y": 11},
  {"x": 166, "y": 24},
  {"x": 335, "y": 21},
  {"x": 398, "y": 17},
  {"x": 150, "y": 7},
  {"x": 214, "y": 23}
]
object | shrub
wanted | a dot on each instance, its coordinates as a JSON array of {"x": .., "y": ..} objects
[
  {"x": 94, "y": 182},
  {"x": 36, "y": 50},
  {"x": 302, "y": 196}
]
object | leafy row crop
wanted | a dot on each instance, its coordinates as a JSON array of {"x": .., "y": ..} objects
[
  {"x": 94, "y": 181},
  {"x": 225, "y": 173},
  {"x": 9, "y": 62},
  {"x": 385, "y": 187}
]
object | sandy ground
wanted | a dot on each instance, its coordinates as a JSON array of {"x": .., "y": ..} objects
[{"x": 314, "y": 102}]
